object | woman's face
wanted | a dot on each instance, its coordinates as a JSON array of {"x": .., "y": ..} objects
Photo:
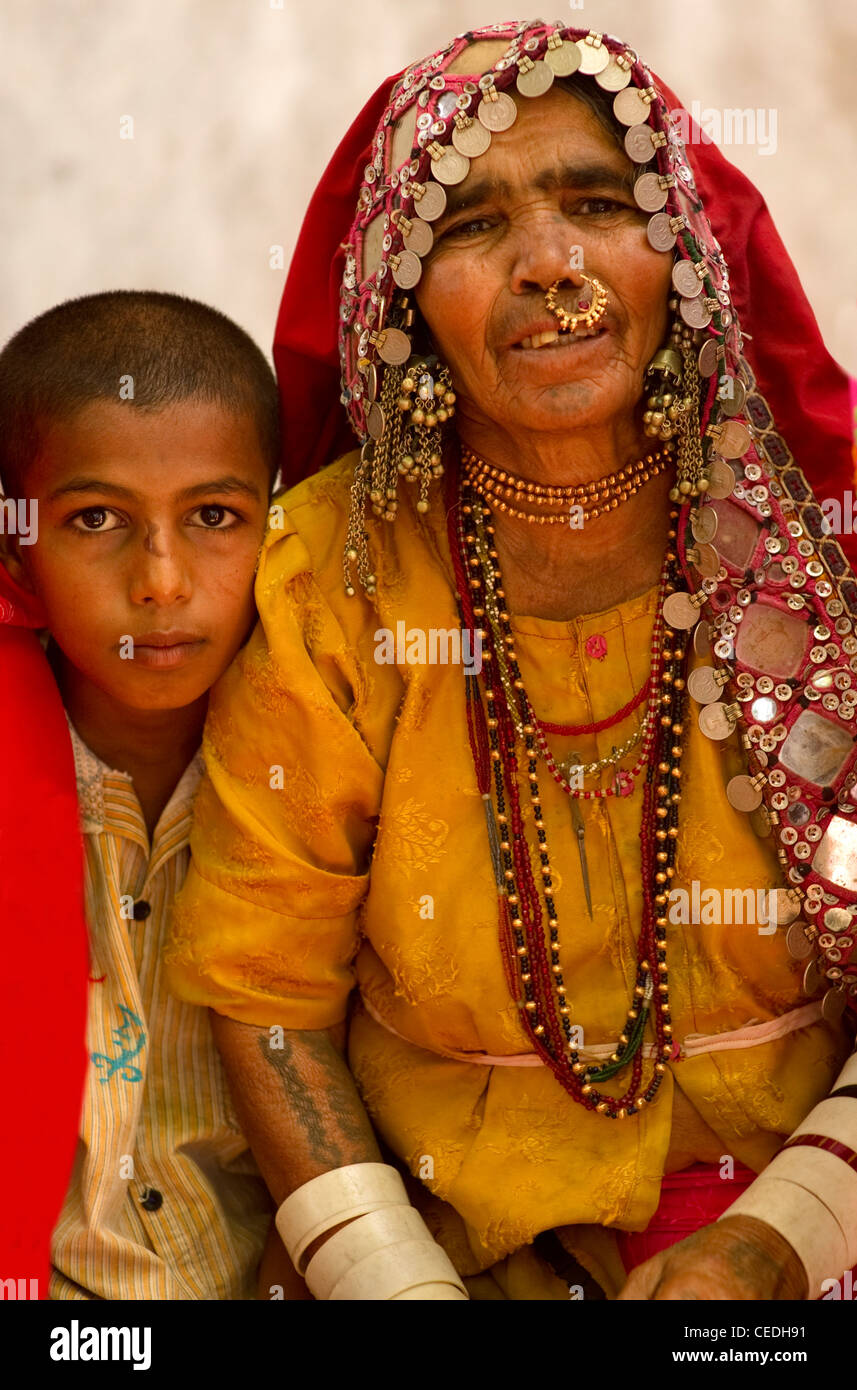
[{"x": 550, "y": 197}]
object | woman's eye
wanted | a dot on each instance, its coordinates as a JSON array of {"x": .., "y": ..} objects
[
  {"x": 472, "y": 227},
  {"x": 215, "y": 518},
  {"x": 96, "y": 519},
  {"x": 600, "y": 206}
]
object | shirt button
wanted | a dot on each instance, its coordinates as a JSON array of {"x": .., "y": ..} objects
[
  {"x": 151, "y": 1199},
  {"x": 141, "y": 910}
]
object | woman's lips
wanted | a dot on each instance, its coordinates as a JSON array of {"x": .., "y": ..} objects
[{"x": 552, "y": 338}]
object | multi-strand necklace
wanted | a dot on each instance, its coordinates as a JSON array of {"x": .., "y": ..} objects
[
  {"x": 516, "y": 497},
  {"x": 507, "y": 742}
]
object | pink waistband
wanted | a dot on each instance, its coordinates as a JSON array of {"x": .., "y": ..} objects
[
  {"x": 750, "y": 1035},
  {"x": 693, "y": 1198}
]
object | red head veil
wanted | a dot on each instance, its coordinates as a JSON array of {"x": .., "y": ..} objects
[
  {"x": 805, "y": 391},
  {"x": 44, "y": 973}
]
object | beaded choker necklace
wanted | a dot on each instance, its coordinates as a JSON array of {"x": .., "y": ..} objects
[
  {"x": 554, "y": 505},
  {"x": 505, "y": 740}
]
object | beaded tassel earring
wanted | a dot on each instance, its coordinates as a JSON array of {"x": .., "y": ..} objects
[
  {"x": 672, "y": 408},
  {"x": 417, "y": 400}
]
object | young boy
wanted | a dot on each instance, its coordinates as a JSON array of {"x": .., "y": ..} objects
[{"x": 141, "y": 432}]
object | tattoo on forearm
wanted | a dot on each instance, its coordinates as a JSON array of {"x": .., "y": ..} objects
[{"x": 326, "y": 1106}]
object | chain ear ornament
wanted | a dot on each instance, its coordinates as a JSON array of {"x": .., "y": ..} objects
[{"x": 672, "y": 408}]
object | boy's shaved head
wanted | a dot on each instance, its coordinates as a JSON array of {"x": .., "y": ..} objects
[{"x": 144, "y": 349}]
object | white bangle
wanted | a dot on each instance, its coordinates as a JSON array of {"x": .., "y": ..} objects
[
  {"x": 810, "y": 1197},
  {"x": 334, "y": 1197},
  {"x": 375, "y": 1231},
  {"x": 409, "y": 1266}
]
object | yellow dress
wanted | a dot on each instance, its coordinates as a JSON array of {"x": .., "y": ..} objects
[{"x": 340, "y": 841}]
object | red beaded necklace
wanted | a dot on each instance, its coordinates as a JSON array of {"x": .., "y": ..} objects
[{"x": 504, "y": 742}]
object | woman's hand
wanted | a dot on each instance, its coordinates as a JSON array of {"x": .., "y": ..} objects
[{"x": 736, "y": 1258}]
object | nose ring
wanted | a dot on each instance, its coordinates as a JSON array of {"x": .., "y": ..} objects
[{"x": 588, "y": 317}]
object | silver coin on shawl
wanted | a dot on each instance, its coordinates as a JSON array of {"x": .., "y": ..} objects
[
  {"x": 649, "y": 194},
  {"x": 471, "y": 138},
  {"x": 432, "y": 204},
  {"x": 732, "y": 440},
  {"x": 707, "y": 561},
  {"x": 594, "y": 57},
  {"x": 743, "y": 794},
  {"x": 630, "y": 108},
  {"x": 534, "y": 81},
  {"x": 708, "y": 358},
  {"x": 721, "y": 479},
  {"x": 694, "y": 312},
  {"x": 615, "y": 76},
  {"x": 685, "y": 279},
  {"x": 703, "y": 525},
  {"x": 680, "y": 611},
  {"x": 419, "y": 237},
  {"x": 407, "y": 270},
  {"x": 732, "y": 396},
  {"x": 499, "y": 114},
  {"x": 451, "y": 167},
  {"x": 395, "y": 348},
  {"x": 716, "y": 722},
  {"x": 659, "y": 232},
  {"x": 703, "y": 685},
  {"x": 375, "y": 421},
  {"x": 564, "y": 59},
  {"x": 639, "y": 144},
  {"x": 798, "y": 943}
]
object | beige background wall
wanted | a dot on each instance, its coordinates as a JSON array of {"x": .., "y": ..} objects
[{"x": 237, "y": 105}]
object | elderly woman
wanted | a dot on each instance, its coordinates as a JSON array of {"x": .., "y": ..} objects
[{"x": 479, "y": 785}]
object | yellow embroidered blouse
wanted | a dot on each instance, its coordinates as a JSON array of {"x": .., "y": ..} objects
[{"x": 340, "y": 840}]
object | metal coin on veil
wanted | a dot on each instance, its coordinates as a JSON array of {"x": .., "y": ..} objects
[
  {"x": 451, "y": 167},
  {"x": 563, "y": 60},
  {"x": 741, "y": 794},
  {"x": 679, "y": 611},
  {"x": 733, "y": 440},
  {"x": 704, "y": 687},
  {"x": 812, "y": 977},
  {"x": 702, "y": 639},
  {"x": 629, "y": 107},
  {"x": 536, "y": 80},
  {"x": 721, "y": 479},
  {"x": 707, "y": 561},
  {"x": 833, "y": 1005},
  {"x": 613, "y": 78},
  {"x": 593, "y": 58},
  {"x": 760, "y": 822},
  {"x": 419, "y": 238},
  {"x": 732, "y": 400},
  {"x": 685, "y": 278},
  {"x": 782, "y": 906},
  {"x": 396, "y": 347},
  {"x": 703, "y": 525},
  {"x": 499, "y": 114},
  {"x": 797, "y": 941},
  {"x": 375, "y": 421},
  {"x": 714, "y": 722},
  {"x": 694, "y": 313},
  {"x": 648, "y": 193},
  {"x": 708, "y": 357},
  {"x": 660, "y": 233},
  {"x": 471, "y": 139},
  {"x": 639, "y": 144},
  {"x": 432, "y": 204},
  {"x": 407, "y": 270},
  {"x": 370, "y": 377}
]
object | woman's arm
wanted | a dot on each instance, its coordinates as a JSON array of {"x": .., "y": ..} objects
[{"x": 297, "y": 1103}]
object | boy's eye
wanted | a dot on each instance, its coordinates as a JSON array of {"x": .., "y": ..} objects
[
  {"x": 96, "y": 519},
  {"x": 216, "y": 518}
]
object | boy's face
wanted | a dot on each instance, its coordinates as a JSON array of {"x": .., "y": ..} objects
[{"x": 149, "y": 526}]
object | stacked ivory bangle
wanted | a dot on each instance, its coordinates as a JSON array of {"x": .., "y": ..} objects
[
  {"x": 386, "y": 1251},
  {"x": 809, "y": 1194}
]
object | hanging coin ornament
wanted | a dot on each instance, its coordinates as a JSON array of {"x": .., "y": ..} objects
[
  {"x": 703, "y": 524},
  {"x": 616, "y": 75},
  {"x": 534, "y": 79},
  {"x": 471, "y": 138},
  {"x": 563, "y": 56},
  {"x": 706, "y": 560},
  {"x": 702, "y": 639},
  {"x": 743, "y": 793},
  {"x": 370, "y": 379},
  {"x": 499, "y": 114},
  {"x": 419, "y": 237},
  {"x": 594, "y": 57},
  {"x": 686, "y": 280},
  {"x": 649, "y": 194},
  {"x": 395, "y": 347},
  {"x": 680, "y": 611},
  {"x": 448, "y": 166},
  {"x": 716, "y": 722},
  {"x": 798, "y": 943},
  {"x": 732, "y": 396},
  {"x": 812, "y": 977},
  {"x": 731, "y": 439},
  {"x": 431, "y": 203},
  {"x": 375, "y": 421},
  {"x": 783, "y": 903},
  {"x": 721, "y": 479},
  {"x": 708, "y": 356},
  {"x": 406, "y": 270},
  {"x": 660, "y": 233},
  {"x": 630, "y": 108},
  {"x": 833, "y": 1005},
  {"x": 639, "y": 144},
  {"x": 704, "y": 687},
  {"x": 694, "y": 312}
]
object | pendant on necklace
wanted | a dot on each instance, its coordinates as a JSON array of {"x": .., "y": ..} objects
[{"x": 580, "y": 831}]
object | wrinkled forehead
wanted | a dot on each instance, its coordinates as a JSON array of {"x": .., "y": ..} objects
[{"x": 443, "y": 115}]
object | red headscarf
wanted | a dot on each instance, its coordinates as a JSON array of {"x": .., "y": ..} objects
[
  {"x": 43, "y": 1012},
  {"x": 807, "y": 392}
]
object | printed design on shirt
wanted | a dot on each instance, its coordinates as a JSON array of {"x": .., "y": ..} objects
[{"x": 130, "y": 1040}]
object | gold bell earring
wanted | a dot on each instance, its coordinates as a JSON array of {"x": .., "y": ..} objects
[{"x": 672, "y": 408}]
